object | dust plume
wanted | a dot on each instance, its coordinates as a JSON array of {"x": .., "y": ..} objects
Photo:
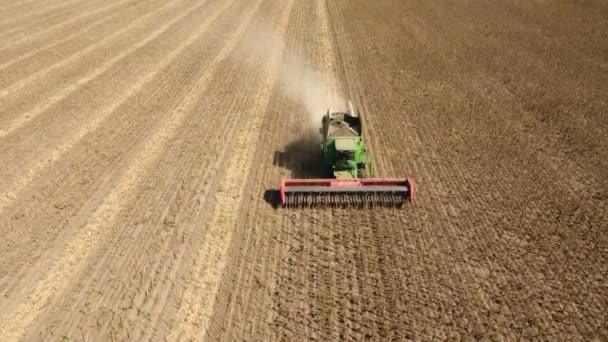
[{"x": 300, "y": 82}]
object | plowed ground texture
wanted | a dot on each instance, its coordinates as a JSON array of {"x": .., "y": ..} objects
[{"x": 139, "y": 150}]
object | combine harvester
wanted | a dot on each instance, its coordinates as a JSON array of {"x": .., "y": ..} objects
[{"x": 350, "y": 166}]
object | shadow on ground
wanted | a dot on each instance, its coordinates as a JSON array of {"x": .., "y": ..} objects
[{"x": 303, "y": 158}]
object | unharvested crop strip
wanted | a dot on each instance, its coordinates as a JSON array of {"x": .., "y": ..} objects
[
  {"x": 199, "y": 299},
  {"x": 41, "y": 107},
  {"x": 27, "y": 80},
  {"x": 110, "y": 7},
  {"x": 15, "y": 324}
]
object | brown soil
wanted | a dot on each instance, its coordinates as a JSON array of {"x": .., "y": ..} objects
[{"x": 137, "y": 151}]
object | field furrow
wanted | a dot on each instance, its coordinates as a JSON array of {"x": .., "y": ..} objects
[
  {"x": 20, "y": 7},
  {"x": 126, "y": 46},
  {"x": 75, "y": 118},
  {"x": 194, "y": 316},
  {"x": 143, "y": 143},
  {"x": 87, "y": 133},
  {"x": 106, "y": 212},
  {"x": 36, "y": 21},
  {"x": 251, "y": 261},
  {"x": 22, "y": 49},
  {"x": 183, "y": 203}
]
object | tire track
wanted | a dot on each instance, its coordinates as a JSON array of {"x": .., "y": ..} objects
[
  {"x": 41, "y": 107},
  {"x": 385, "y": 155},
  {"x": 38, "y": 49},
  {"x": 70, "y": 60},
  {"x": 199, "y": 298},
  {"x": 435, "y": 154},
  {"x": 58, "y": 276}
]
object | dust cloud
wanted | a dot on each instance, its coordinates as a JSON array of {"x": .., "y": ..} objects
[{"x": 300, "y": 82}]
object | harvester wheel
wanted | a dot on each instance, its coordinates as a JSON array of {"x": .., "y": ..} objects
[{"x": 361, "y": 171}]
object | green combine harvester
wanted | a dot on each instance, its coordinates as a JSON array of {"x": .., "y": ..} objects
[{"x": 351, "y": 169}]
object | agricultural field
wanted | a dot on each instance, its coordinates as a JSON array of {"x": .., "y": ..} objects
[{"x": 141, "y": 141}]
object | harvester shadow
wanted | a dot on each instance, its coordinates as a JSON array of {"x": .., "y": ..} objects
[
  {"x": 303, "y": 158},
  {"x": 273, "y": 197}
]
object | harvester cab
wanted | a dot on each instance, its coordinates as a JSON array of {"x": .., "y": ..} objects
[
  {"x": 350, "y": 167},
  {"x": 343, "y": 148}
]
